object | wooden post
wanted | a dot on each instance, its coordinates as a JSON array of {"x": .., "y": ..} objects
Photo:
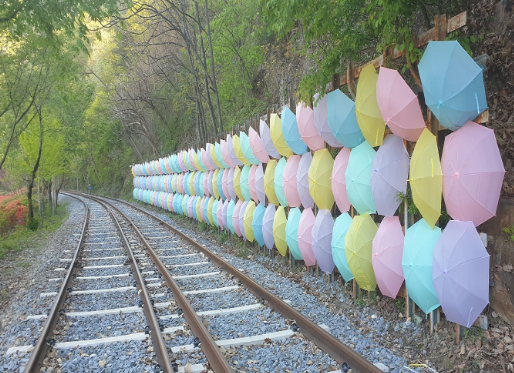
[
  {"x": 435, "y": 317},
  {"x": 409, "y": 306},
  {"x": 460, "y": 331},
  {"x": 355, "y": 290}
]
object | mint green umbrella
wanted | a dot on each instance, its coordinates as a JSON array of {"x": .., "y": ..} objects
[
  {"x": 245, "y": 187},
  {"x": 230, "y": 213},
  {"x": 219, "y": 157},
  {"x": 279, "y": 181},
  {"x": 293, "y": 221},
  {"x": 339, "y": 231},
  {"x": 247, "y": 149},
  {"x": 358, "y": 179}
]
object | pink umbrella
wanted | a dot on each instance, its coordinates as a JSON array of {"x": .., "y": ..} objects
[
  {"x": 224, "y": 213},
  {"x": 224, "y": 182},
  {"x": 190, "y": 153},
  {"x": 259, "y": 184},
  {"x": 322, "y": 240},
  {"x": 399, "y": 105},
  {"x": 308, "y": 130},
  {"x": 321, "y": 121},
  {"x": 206, "y": 184},
  {"x": 339, "y": 180},
  {"x": 230, "y": 184},
  {"x": 190, "y": 207},
  {"x": 206, "y": 160},
  {"x": 387, "y": 256},
  {"x": 180, "y": 160},
  {"x": 302, "y": 180},
  {"x": 231, "y": 152},
  {"x": 219, "y": 214},
  {"x": 307, "y": 221},
  {"x": 235, "y": 217},
  {"x": 266, "y": 140},
  {"x": 241, "y": 219},
  {"x": 251, "y": 183},
  {"x": 225, "y": 155},
  {"x": 289, "y": 181},
  {"x": 210, "y": 176},
  {"x": 267, "y": 226},
  {"x": 472, "y": 173},
  {"x": 181, "y": 184},
  {"x": 257, "y": 146}
]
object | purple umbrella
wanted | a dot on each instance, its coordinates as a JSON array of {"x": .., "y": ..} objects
[
  {"x": 321, "y": 121},
  {"x": 241, "y": 219},
  {"x": 390, "y": 171},
  {"x": 266, "y": 140},
  {"x": 231, "y": 152},
  {"x": 302, "y": 180},
  {"x": 235, "y": 217},
  {"x": 259, "y": 184},
  {"x": 224, "y": 215},
  {"x": 210, "y": 176},
  {"x": 230, "y": 184},
  {"x": 267, "y": 226},
  {"x": 305, "y": 236},
  {"x": 460, "y": 273},
  {"x": 322, "y": 240},
  {"x": 224, "y": 183},
  {"x": 289, "y": 181},
  {"x": 219, "y": 214},
  {"x": 251, "y": 183},
  {"x": 339, "y": 180},
  {"x": 225, "y": 154}
]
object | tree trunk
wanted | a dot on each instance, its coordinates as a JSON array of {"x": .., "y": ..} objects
[
  {"x": 34, "y": 170},
  {"x": 49, "y": 191}
]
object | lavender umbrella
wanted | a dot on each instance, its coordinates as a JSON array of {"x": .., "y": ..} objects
[
  {"x": 460, "y": 273},
  {"x": 224, "y": 215},
  {"x": 267, "y": 226},
  {"x": 266, "y": 140},
  {"x": 219, "y": 213},
  {"x": 302, "y": 180},
  {"x": 251, "y": 184},
  {"x": 289, "y": 181},
  {"x": 339, "y": 180},
  {"x": 241, "y": 219},
  {"x": 219, "y": 184},
  {"x": 230, "y": 216},
  {"x": 257, "y": 146},
  {"x": 259, "y": 184},
  {"x": 235, "y": 217},
  {"x": 305, "y": 236},
  {"x": 224, "y": 183},
  {"x": 232, "y": 152},
  {"x": 321, "y": 121},
  {"x": 230, "y": 184},
  {"x": 322, "y": 240},
  {"x": 209, "y": 181}
]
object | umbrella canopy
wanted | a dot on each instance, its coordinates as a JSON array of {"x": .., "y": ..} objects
[
  {"x": 245, "y": 187},
  {"x": 269, "y": 185},
  {"x": 257, "y": 220},
  {"x": 343, "y": 120},
  {"x": 279, "y": 230},
  {"x": 241, "y": 219},
  {"x": 230, "y": 184},
  {"x": 199, "y": 158},
  {"x": 224, "y": 183},
  {"x": 293, "y": 220},
  {"x": 232, "y": 152},
  {"x": 358, "y": 178},
  {"x": 289, "y": 181},
  {"x": 219, "y": 213},
  {"x": 321, "y": 121},
  {"x": 358, "y": 247},
  {"x": 230, "y": 215},
  {"x": 320, "y": 185},
  {"x": 210, "y": 177},
  {"x": 257, "y": 145},
  {"x": 305, "y": 236},
  {"x": 251, "y": 184},
  {"x": 390, "y": 171},
  {"x": 205, "y": 184},
  {"x": 339, "y": 180},
  {"x": 215, "y": 191},
  {"x": 209, "y": 210},
  {"x": 453, "y": 84},
  {"x": 308, "y": 131},
  {"x": 278, "y": 137},
  {"x": 219, "y": 156},
  {"x": 426, "y": 177},
  {"x": 224, "y": 215},
  {"x": 219, "y": 183},
  {"x": 259, "y": 184},
  {"x": 247, "y": 149},
  {"x": 278, "y": 181},
  {"x": 205, "y": 203},
  {"x": 237, "y": 182},
  {"x": 235, "y": 218},
  {"x": 302, "y": 180},
  {"x": 291, "y": 132},
  {"x": 460, "y": 273},
  {"x": 399, "y": 105},
  {"x": 341, "y": 226},
  {"x": 387, "y": 256},
  {"x": 211, "y": 153},
  {"x": 366, "y": 107},
  {"x": 267, "y": 226},
  {"x": 236, "y": 142},
  {"x": 248, "y": 220},
  {"x": 267, "y": 142},
  {"x": 214, "y": 213},
  {"x": 322, "y": 240},
  {"x": 225, "y": 155},
  {"x": 472, "y": 173},
  {"x": 417, "y": 259}
]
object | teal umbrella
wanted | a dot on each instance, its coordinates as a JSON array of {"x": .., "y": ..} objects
[
  {"x": 291, "y": 132},
  {"x": 293, "y": 221},
  {"x": 258, "y": 215},
  {"x": 219, "y": 184},
  {"x": 245, "y": 187},
  {"x": 358, "y": 179},
  {"x": 342, "y": 119},
  {"x": 247, "y": 149},
  {"x": 278, "y": 181},
  {"x": 200, "y": 160},
  {"x": 230, "y": 213},
  {"x": 417, "y": 261},
  {"x": 214, "y": 213},
  {"x": 219, "y": 157},
  {"x": 341, "y": 226}
]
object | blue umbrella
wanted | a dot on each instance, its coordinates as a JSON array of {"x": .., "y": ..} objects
[
  {"x": 219, "y": 184},
  {"x": 245, "y": 187},
  {"x": 230, "y": 213},
  {"x": 258, "y": 215},
  {"x": 278, "y": 181},
  {"x": 342, "y": 119},
  {"x": 293, "y": 221},
  {"x": 341, "y": 226},
  {"x": 246, "y": 148},
  {"x": 358, "y": 179},
  {"x": 291, "y": 133},
  {"x": 453, "y": 84}
]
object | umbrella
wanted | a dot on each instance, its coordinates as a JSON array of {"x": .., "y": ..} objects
[
  {"x": 308, "y": 131},
  {"x": 248, "y": 219},
  {"x": 305, "y": 236},
  {"x": 257, "y": 145},
  {"x": 258, "y": 216},
  {"x": 269, "y": 185},
  {"x": 237, "y": 182},
  {"x": 205, "y": 204},
  {"x": 267, "y": 142},
  {"x": 219, "y": 156},
  {"x": 366, "y": 107},
  {"x": 245, "y": 188},
  {"x": 259, "y": 184},
  {"x": 236, "y": 142},
  {"x": 279, "y": 230},
  {"x": 321, "y": 121},
  {"x": 235, "y": 217},
  {"x": 205, "y": 159},
  {"x": 472, "y": 173},
  {"x": 291, "y": 133},
  {"x": 180, "y": 161},
  {"x": 387, "y": 256},
  {"x": 358, "y": 247},
  {"x": 214, "y": 212},
  {"x": 358, "y": 177},
  {"x": 453, "y": 84},
  {"x": 293, "y": 220},
  {"x": 185, "y": 204},
  {"x": 302, "y": 180},
  {"x": 398, "y": 105},
  {"x": 342, "y": 119},
  {"x": 224, "y": 183},
  {"x": 230, "y": 215},
  {"x": 225, "y": 154},
  {"x": 278, "y": 181},
  {"x": 215, "y": 191},
  {"x": 205, "y": 183},
  {"x": 390, "y": 171},
  {"x": 209, "y": 210},
  {"x": 322, "y": 240},
  {"x": 210, "y": 177},
  {"x": 426, "y": 177},
  {"x": 224, "y": 215},
  {"x": 230, "y": 184},
  {"x": 251, "y": 184},
  {"x": 241, "y": 219},
  {"x": 289, "y": 181},
  {"x": 219, "y": 213},
  {"x": 278, "y": 137},
  {"x": 219, "y": 183},
  {"x": 320, "y": 185},
  {"x": 341, "y": 226},
  {"x": 211, "y": 153},
  {"x": 247, "y": 149},
  {"x": 267, "y": 226},
  {"x": 417, "y": 259},
  {"x": 460, "y": 273},
  {"x": 232, "y": 152},
  {"x": 339, "y": 180}
]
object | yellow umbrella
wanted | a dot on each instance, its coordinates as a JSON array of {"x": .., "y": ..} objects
[
  {"x": 320, "y": 182},
  {"x": 358, "y": 248},
  {"x": 198, "y": 209},
  {"x": 196, "y": 163},
  {"x": 237, "y": 183},
  {"x": 192, "y": 184},
  {"x": 278, "y": 137},
  {"x": 426, "y": 177},
  {"x": 368, "y": 113},
  {"x": 279, "y": 230},
  {"x": 215, "y": 184},
  {"x": 236, "y": 141},
  {"x": 213, "y": 156},
  {"x": 247, "y": 222},
  {"x": 269, "y": 182},
  {"x": 209, "y": 209}
]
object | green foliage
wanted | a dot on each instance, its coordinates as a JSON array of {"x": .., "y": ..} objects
[
  {"x": 223, "y": 237},
  {"x": 402, "y": 198},
  {"x": 33, "y": 224},
  {"x": 509, "y": 231}
]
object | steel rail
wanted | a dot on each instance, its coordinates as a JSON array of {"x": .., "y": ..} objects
[{"x": 336, "y": 349}]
